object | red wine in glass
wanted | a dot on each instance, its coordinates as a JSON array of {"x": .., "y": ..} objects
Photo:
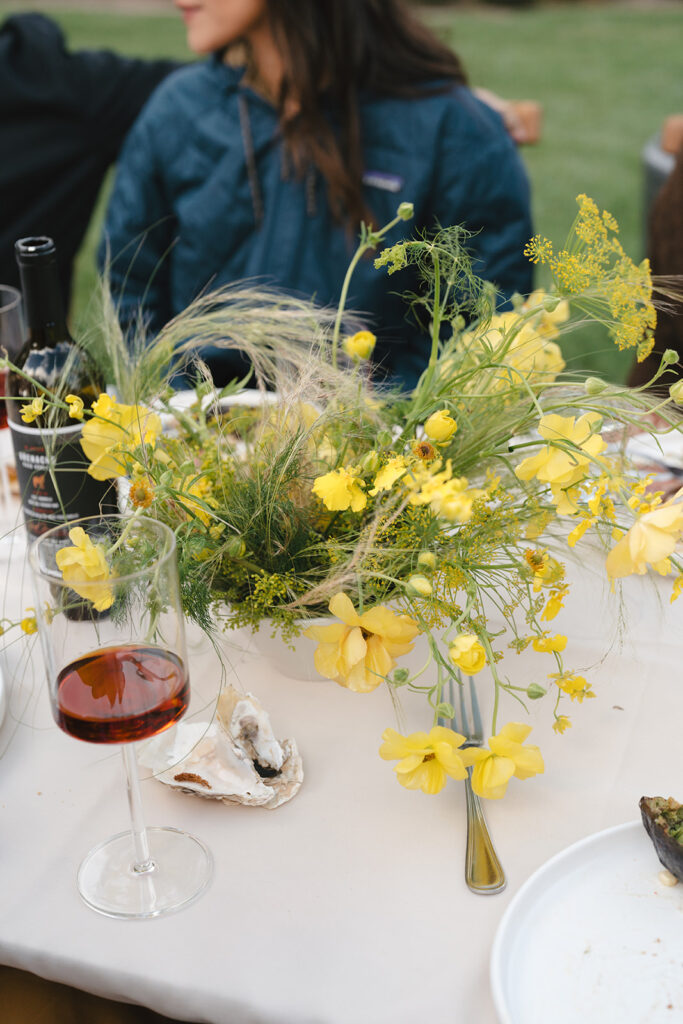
[{"x": 122, "y": 693}]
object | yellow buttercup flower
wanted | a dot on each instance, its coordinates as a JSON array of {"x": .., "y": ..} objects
[
  {"x": 547, "y": 644},
  {"x": 75, "y": 407},
  {"x": 554, "y": 604},
  {"x": 467, "y": 653},
  {"x": 112, "y": 432},
  {"x": 425, "y": 759},
  {"x": 576, "y": 687},
  {"x": 440, "y": 426},
  {"x": 84, "y": 567},
  {"x": 28, "y": 624},
  {"x": 493, "y": 768},
  {"x": 649, "y": 541},
  {"x": 341, "y": 489},
  {"x": 360, "y": 651},
  {"x": 141, "y": 492},
  {"x": 360, "y": 345},
  {"x": 32, "y": 410},
  {"x": 389, "y": 474},
  {"x": 565, "y": 461}
]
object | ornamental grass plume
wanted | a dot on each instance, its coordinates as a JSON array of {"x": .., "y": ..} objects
[{"x": 324, "y": 491}]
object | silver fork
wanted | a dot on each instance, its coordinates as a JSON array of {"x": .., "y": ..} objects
[{"x": 483, "y": 871}]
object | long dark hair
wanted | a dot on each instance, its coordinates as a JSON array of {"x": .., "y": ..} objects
[{"x": 334, "y": 49}]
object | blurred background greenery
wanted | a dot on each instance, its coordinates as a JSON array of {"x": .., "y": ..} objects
[{"x": 606, "y": 75}]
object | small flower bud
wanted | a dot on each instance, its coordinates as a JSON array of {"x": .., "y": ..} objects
[
  {"x": 670, "y": 357},
  {"x": 551, "y": 302},
  {"x": 594, "y": 386},
  {"x": 535, "y": 692},
  {"x": 384, "y": 438},
  {"x": 405, "y": 211},
  {"x": 235, "y": 546},
  {"x": 370, "y": 463},
  {"x": 676, "y": 392},
  {"x": 427, "y": 559},
  {"x": 445, "y": 710},
  {"x": 517, "y": 301},
  {"x": 400, "y": 677},
  {"x": 419, "y": 586}
]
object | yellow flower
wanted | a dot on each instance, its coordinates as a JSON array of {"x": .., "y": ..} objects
[
  {"x": 29, "y": 624},
  {"x": 32, "y": 410},
  {"x": 676, "y": 590},
  {"x": 547, "y": 644},
  {"x": 389, "y": 474},
  {"x": 112, "y": 432},
  {"x": 576, "y": 687},
  {"x": 360, "y": 651},
  {"x": 650, "y": 540},
  {"x": 141, "y": 492},
  {"x": 467, "y": 653},
  {"x": 341, "y": 489},
  {"x": 493, "y": 768},
  {"x": 440, "y": 426},
  {"x": 424, "y": 450},
  {"x": 561, "y": 724},
  {"x": 75, "y": 407},
  {"x": 84, "y": 567},
  {"x": 563, "y": 467},
  {"x": 425, "y": 759},
  {"x": 360, "y": 345},
  {"x": 554, "y": 604}
]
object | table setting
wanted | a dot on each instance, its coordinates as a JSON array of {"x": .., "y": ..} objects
[{"x": 397, "y": 669}]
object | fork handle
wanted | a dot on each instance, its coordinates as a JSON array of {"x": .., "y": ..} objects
[{"x": 483, "y": 871}]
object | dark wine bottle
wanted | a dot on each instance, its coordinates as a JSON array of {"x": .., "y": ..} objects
[{"x": 51, "y": 465}]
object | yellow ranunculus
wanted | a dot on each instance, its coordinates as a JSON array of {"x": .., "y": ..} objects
[
  {"x": 563, "y": 467},
  {"x": 467, "y": 653},
  {"x": 425, "y": 759},
  {"x": 360, "y": 345},
  {"x": 650, "y": 540},
  {"x": 75, "y": 407},
  {"x": 114, "y": 430},
  {"x": 28, "y": 624},
  {"x": 360, "y": 651},
  {"x": 493, "y": 768},
  {"x": 389, "y": 474},
  {"x": 440, "y": 426},
  {"x": 32, "y": 410},
  {"x": 547, "y": 644},
  {"x": 341, "y": 489},
  {"x": 84, "y": 567}
]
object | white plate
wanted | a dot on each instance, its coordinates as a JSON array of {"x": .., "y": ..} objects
[{"x": 593, "y": 936}]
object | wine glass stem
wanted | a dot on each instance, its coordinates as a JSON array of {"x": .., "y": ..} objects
[{"x": 143, "y": 861}]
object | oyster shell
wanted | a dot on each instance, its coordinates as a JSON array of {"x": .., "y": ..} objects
[
  {"x": 235, "y": 758},
  {"x": 663, "y": 821}
]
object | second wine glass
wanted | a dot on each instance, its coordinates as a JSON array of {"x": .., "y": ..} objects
[{"x": 112, "y": 631}]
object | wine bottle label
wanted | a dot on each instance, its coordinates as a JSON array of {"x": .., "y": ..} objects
[{"x": 53, "y": 481}]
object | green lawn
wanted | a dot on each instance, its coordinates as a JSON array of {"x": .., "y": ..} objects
[{"x": 607, "y": 76}]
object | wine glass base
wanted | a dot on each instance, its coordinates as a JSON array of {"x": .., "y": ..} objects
[{"x": 181, "y": 870}]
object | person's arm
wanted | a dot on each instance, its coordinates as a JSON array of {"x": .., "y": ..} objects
[
  {"x": 139, "y": 231},
  {"x": 480, "y": 181}
]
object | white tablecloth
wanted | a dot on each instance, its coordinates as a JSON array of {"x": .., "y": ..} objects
[{"x": 347, "y": 905}]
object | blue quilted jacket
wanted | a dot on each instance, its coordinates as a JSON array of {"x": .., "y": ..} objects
[{"x": 203, "y": 198}]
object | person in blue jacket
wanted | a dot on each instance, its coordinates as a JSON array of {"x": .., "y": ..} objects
[{"x": 262, "y": 167}]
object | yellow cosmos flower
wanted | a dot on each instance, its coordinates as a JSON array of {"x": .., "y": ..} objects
[
  {"x": 114, "y": 430},
  {"x": 341, "y": 489},
  {"x": 389, "y": 474},
  {"x": 467, "y": 653},
  {"x": 84, "y": 567},
  {"x": 650, "y": 540},
  {"x": 360, "y": 345},
  {"x": 32, "y": 410},
  {"x": 75, "y": 407},
  {"x": 29, "y": 624},
  {"x": 547, "y": 644},
  {"x": 360, "y": 651},
  {"x": 425, "y": 759},
  {"x": 440, "y": 426},
  {"x": 563, "y": 467},
  {"x": 493, "y": 768}
]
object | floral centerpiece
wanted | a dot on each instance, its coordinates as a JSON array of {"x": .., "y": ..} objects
[{"x": 400, "y": 515}]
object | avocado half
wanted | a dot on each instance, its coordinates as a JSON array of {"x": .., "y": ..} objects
[{"x": 663, "y": 821}]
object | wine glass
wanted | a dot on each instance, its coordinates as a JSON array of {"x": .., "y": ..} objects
[
  {"x": 112, "y": 632},
  {"x": 11, "y": 340}
]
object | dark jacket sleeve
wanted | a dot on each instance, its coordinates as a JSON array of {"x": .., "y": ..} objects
[
  {"x": 140, "y": 226},
  {"x": 495, "y": 202}
]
